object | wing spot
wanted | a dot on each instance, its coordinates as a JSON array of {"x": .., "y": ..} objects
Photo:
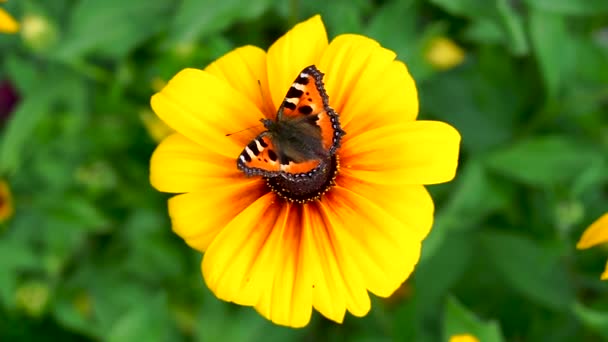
[
  {"x": 294, "y": 93},
  {"x": 289, "y": 105},
  {"x": 305, "y": 110},
  {"x": 247, "y": 157},
  {"x": 254, "y": 147},
  {"x": 272, "y": 155}
]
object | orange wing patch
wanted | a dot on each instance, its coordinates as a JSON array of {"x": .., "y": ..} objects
[
  {"x": 304, "y": 96},
  {"x": 306, "y": 103},
  {"x": 302, "y": 167},
  {"x": 259, "y": 157}
]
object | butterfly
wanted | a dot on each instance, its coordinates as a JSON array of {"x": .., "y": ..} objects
[{"x": 302, "y": 139}]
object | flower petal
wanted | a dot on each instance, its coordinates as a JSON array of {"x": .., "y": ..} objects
[
  {"x": 366, "y": 85},
  {"x": 198, "y": 217},
  {"x": 7, "y": 23},
  {"x": 393, "y": 198},
  {"x": 374, "y": 250},
  {"x": 240, "y": 263},
  {"x": 596, "y": 234},
  {"x": 345, "y": 272},
  {"x": 604, "y": 275},
  {"x": 298, "y": 48},
  {"x": 205, "y": 108},
  {"x": 181, "y": 165},
  {"x": 6, "y": 201},
  {"x": 418, "y": 152},
  {"x": 261, "y": 265},
  {"x": 288, "y": 301},
  {"x": 245, "y": 70}
]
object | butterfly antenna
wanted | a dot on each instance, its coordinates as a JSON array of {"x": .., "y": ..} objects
[
  {"x": 246, "y": 129},
  {"x": 243, "y": 130}
]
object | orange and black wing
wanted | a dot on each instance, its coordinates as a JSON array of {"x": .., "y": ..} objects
[
  {"x": 307, "y": 97},
  {"x": 261, "y": 157}
]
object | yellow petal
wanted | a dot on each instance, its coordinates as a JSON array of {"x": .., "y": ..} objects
[
  {"x": 374, "y": 250},
  {"x": 245, "y": 70},
  {"x": 366, "y": 86},
  {"x": 298, "y": 48},
  {"x": 418, "y": 152},
  {"x": 198, "y": 217},
  {"x": 605, "y": 274},
  {"x": 246, "y": 241},
  {"x": 205, "y": 108},
  {"x": 463, "y": 338},
  {"x": 393, "y": 198},
  {"x": 181, "y": 165},
  {"x": 7, "y": 23},
  {"x": 596, "y": 234},
  {"x": 259, "y": 264},
  {"x": 288, "y": 301}
]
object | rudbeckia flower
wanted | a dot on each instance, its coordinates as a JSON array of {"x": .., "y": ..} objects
[
  {"x": 596, "y": 234},
  {"x": 6, "y": 202},
  {"x": 463, "y": 338},
  {"x": 7, "y": 23},
  {"x": 358, "y": 231}
]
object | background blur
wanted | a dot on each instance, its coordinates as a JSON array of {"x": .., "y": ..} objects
[{"x": 89, "y": 253}]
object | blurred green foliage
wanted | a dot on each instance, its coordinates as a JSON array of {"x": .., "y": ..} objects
[{"x": 89, "y": 253}]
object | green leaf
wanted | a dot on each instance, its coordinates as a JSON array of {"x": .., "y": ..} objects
[
  {"x": 436, "y": 274},
  {"x": 467, "y": 97},
  {"x": 485, "y": 31},
  {"x": 458, "y": 320},
  {"x": 20, "y": 127},
  {"x": 528, "y": 269},
  {"x": 514, "y": 27},
  {"x": 550, "y": 43},
  {"x": 476, "y": 195},
  {"x": 544, "y": 161},
  {"x": 146, "y": 322},
  {"x": 24, "y": 73},
  {"x": 593, "y": 319},
  {"x": 572, "y": 7},
  {"x": 468, "y": 8},
  {"x": 200, "y": 18},
  {"x": 111, "y": 28}
]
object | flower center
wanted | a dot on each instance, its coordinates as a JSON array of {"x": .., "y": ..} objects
[{"x": 309, "y": 188}]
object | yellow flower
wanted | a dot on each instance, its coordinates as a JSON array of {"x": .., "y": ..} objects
[
  {"x": 444, "y": 54},
  {"x": 596, "y": 234},
  {"x": 7, "y": 23},
  {"x": 286, "y": 258},
  {"x": 463, "y": 338},
  {"x": 6, "y": 202}
]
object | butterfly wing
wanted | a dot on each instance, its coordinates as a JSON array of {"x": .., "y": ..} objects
[
  {"x": 262, "y": 157},
  {"x": 307, "y": 101}
]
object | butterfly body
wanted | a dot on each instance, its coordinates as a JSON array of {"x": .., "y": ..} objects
[{"x": 302, "y": 139}]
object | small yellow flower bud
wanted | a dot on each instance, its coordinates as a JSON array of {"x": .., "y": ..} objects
[{"x": 444, "y": 54}]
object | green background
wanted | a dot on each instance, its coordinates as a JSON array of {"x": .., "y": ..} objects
[{"x": 89, "y": 253}]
